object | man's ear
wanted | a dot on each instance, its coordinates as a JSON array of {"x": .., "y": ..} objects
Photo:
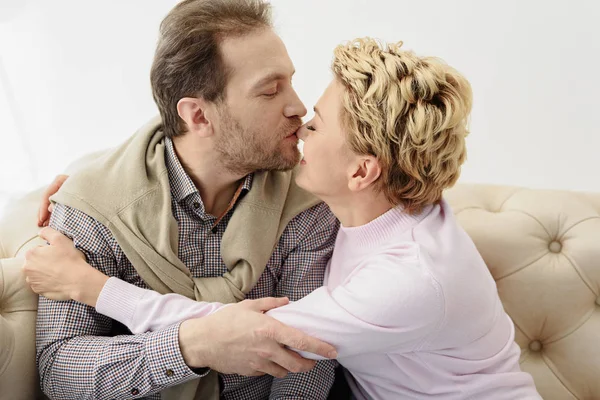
[
  {"x": 364, "y": 173},
  {"x": 194, "y": 112}
]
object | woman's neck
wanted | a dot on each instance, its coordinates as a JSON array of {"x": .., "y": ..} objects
[{"x": 359, "y": 209}]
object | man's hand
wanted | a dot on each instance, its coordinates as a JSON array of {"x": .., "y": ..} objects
[
  {"x": 60, "y": 272},
  {"x": 240, "y": 339},
  {"x": 46, "y": 207}
]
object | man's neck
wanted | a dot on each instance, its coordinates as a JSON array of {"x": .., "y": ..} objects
[{"x": 216, "y": 185}]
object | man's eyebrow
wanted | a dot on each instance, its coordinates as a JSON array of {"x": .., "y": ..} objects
[{"x": 273, "y": 76}]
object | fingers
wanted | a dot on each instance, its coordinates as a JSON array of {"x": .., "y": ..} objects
[
  {"x": 251, "y": 373},
  {"x": 291, "y": 361},
  {"x": 273, "y": 369},
  {"x": 267, "y": 303},
  {"x": 44, "y": 213},
  {"x": 29, "y": 280},
  {"x": 300, "y": 341},
  {"x": 31, "y": 254},
  {"x": 52, "y": 236},
  {"x": 45, "y": 210},
  {"x": 288, "y": 336}
]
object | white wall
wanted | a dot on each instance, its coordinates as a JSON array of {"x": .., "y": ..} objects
[
  {"x": 534, "y": 66},
  {"x": 74, "y": 77},
  {"x": 78, "y": 80}
]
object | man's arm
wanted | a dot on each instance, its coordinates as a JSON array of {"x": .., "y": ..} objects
[
  {"x": 77, "y": 359},
  {"x": 240, "y": 339},
  {"x": 313, "y": 232}
]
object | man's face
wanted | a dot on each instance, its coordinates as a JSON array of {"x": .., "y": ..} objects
[{"x": 257, "y": 122}]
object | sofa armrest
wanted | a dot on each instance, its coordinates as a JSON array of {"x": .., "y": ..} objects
[{"x": 18, "y": 308}]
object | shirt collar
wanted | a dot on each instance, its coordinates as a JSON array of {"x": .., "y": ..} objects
[{"x": 181, "y": 184}]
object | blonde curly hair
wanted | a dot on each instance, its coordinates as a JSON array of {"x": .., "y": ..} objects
[{"x": 410, "y": 112}]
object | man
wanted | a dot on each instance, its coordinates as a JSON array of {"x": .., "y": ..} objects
[{"x": 221, "y": 79}]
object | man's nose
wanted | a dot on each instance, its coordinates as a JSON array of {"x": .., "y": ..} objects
[{"x": 295, "y": 107}]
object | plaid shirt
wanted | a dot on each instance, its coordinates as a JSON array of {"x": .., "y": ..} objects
[{"x": 85, "y": 355}]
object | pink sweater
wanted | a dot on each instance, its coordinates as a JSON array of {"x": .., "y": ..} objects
[{"x": 407, "y": 301}]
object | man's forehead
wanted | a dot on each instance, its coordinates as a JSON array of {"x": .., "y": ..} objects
[
  {"x": 256, "y": 75},
  {"x": 257, "y": 56}
]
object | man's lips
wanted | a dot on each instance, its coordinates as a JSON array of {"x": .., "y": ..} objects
[{"x": 293, "y": 133}]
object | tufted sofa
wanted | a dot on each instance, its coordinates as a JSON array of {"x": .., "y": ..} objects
[{"x": 542, "y": 247}]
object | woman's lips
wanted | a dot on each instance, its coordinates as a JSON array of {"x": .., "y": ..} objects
[{"x": 293, "y": 135}]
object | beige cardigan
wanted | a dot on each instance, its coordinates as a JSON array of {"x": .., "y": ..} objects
[{"x": 128, "y": 191}]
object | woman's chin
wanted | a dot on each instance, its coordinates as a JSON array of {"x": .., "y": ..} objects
[
  {"x": 305, "y": 184},
  {"x": 301, "y": 180}
]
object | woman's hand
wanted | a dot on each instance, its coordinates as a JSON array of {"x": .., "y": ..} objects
[
  {"x": 60, "y": 272},
  {"x": 46, "y": 207}
]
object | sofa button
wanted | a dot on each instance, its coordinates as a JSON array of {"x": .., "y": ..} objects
[
  {"x": 555, "y": 247},
  {"x": 536, "y": 346}
]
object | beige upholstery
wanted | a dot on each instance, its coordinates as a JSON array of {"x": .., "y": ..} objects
[
  {"x": 18, "y": 304},
  {"x": 543, "y": 248}
]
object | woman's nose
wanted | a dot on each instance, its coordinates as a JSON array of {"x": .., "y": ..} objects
[{"x": 302, "y": 132}]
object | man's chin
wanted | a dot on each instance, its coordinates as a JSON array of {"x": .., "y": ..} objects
[
  {"x": 282, "y": 166},
  {"x": 288, "y": 161}
]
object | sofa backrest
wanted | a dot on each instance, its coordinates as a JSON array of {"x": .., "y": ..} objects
[{"x": 543, "y": 249}]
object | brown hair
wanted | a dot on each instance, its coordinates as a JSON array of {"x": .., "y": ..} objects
[
  {"x": 410, "y": 112},
  {"x": 188, "y": 62}
]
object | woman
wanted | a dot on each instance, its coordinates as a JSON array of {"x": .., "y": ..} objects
[{"x": 407, "y": 301}]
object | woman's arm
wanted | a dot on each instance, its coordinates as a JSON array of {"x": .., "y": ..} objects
[
  {"x": 382, "y": 307},
  {"x": 60, "y": 272},
  {"x": 385, "y": 306},
  {"x": 143, "y": 310}
]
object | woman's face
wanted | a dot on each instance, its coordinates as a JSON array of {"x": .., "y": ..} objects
[{"x": 327, "y": 165}]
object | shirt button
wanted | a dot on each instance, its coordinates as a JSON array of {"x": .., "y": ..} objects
[
  {"x": 135, "y": 392},
  {"x": 196, "y": 205},
  {"x": 170, "y": 373}
]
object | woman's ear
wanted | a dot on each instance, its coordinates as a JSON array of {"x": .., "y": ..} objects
[
  {"x": 194, "y": 112},
  {"x": 365, "y": 172}
]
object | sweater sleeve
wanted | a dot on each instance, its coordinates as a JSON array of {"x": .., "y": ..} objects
[
  {"x": 381, "y": 307},
  {"x": 143, "y": 310}
]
